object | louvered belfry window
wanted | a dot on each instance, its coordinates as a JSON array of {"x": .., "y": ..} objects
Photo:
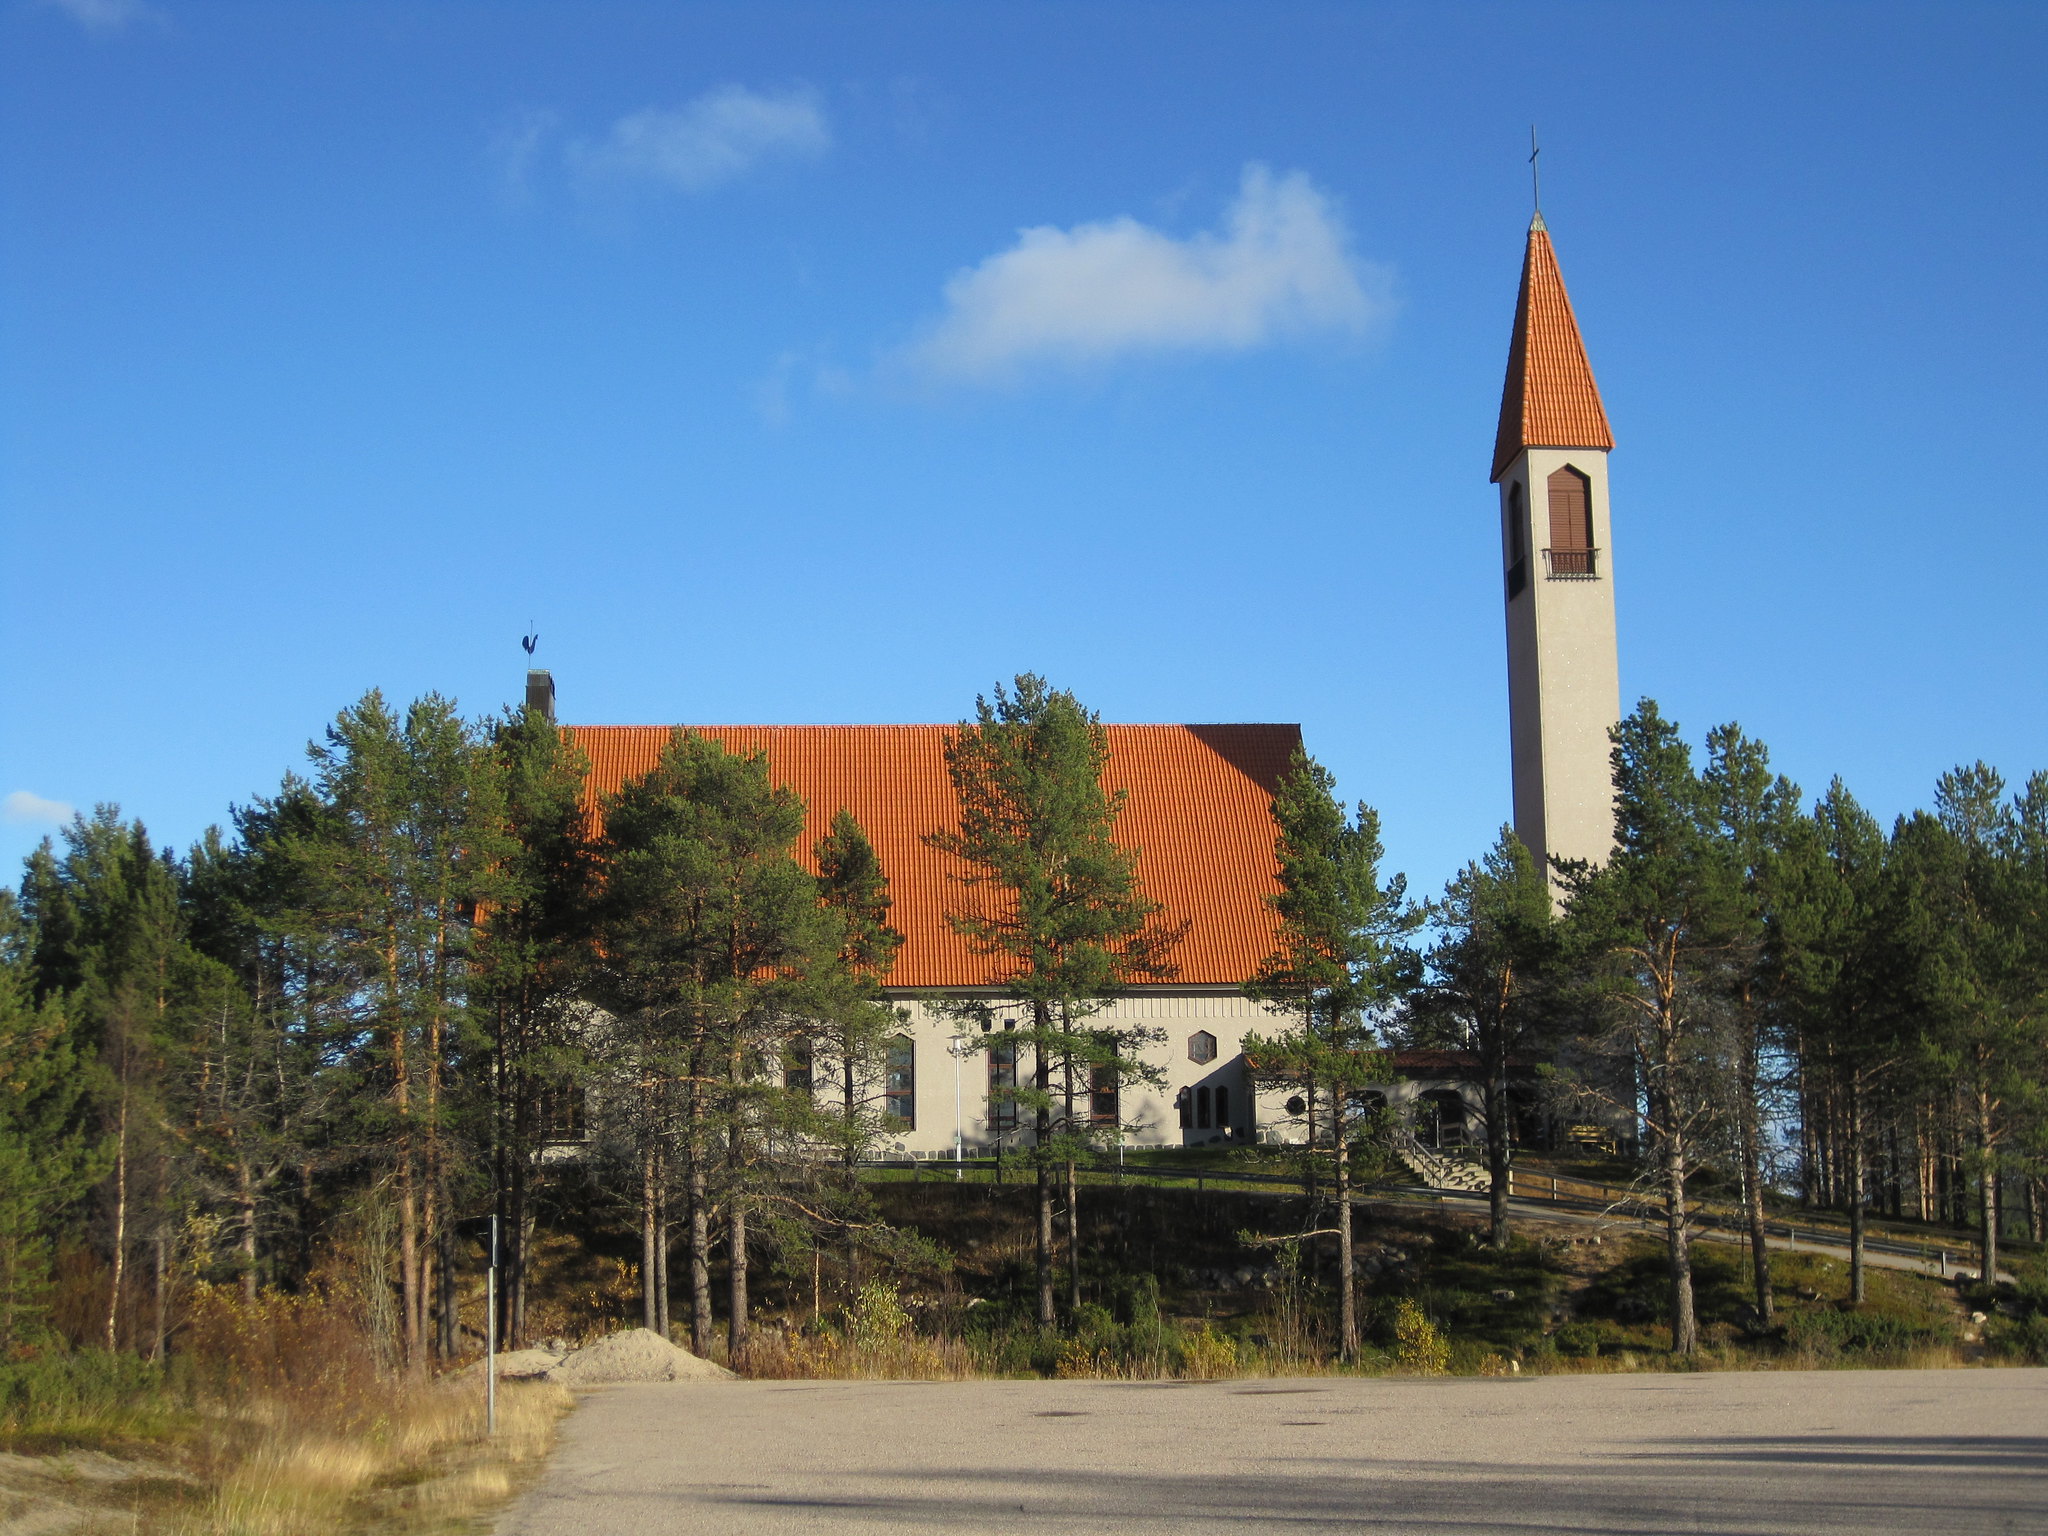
[
  {"x": 1517, "y": 541},
  {"x": 1571, "y": 524}
]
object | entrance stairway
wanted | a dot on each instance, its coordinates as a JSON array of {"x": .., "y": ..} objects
[{"x": 1440, "y": 1170}]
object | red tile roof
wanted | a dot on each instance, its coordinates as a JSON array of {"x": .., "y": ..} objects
[
  {"x": 1199, "y": 814},
  {"x": 1549, "y": 399}
]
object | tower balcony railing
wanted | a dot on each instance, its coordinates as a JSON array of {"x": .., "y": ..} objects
[{"x": 1571, "y": 564}]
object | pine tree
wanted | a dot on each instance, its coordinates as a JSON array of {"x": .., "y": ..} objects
[
  {"x": 1837, "y": 977},
  {"x": 533, "y": 961},
  {"x": 109, "y": 942},
  {"x": 853, "y": 1022},
  {"x": 1965, "y": 911},
  {"x": 710, "y": 933},
  {"x": 1056, "y": 906},
  {"x": 1494, "y": 986},
  {"x": 409, "y": 847},
  {"x": 49, "y": 1156},
  {"x": 1654, "y": 929},
  {"x": 1753, "y": 816},
  {"x": 1342, "y": 960}
]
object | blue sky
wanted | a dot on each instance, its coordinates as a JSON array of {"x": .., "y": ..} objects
[{"x": 832, "y": 362}]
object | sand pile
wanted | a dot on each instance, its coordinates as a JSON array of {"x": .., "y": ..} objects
[
  {"x": 524, "y": 1364},
  {"x": 638, "y": 1354}
]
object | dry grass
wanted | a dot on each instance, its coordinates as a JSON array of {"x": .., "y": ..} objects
[
  {"x": 280, "y": 1419},
  {"x": 423, "y": 1464}
]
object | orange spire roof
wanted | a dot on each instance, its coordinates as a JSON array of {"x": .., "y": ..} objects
[{"x": 1549, "y": 399}]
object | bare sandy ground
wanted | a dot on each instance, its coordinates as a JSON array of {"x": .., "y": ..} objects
[{"x": 1773, "y": 1453}]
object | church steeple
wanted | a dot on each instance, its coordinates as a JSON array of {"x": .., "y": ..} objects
[
  {"x": 1549, "y": 399},
  {"x": 1557, "y": 559}
]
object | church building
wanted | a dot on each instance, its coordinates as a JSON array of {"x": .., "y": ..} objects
[{"x": 1199, "y": 806}]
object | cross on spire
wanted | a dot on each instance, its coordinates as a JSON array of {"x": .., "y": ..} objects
[{"x": 1535, "y": 174}]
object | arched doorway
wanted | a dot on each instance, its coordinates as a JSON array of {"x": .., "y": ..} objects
[{"x": 1440, "y": 1118}]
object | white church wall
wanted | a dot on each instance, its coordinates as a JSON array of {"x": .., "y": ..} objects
[{"x": 1188, "y": 1021}]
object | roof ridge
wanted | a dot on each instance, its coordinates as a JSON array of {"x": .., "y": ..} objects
[{"x": 911, "y": 725}]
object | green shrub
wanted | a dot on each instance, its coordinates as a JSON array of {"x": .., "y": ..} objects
[
  {"x": 1419, "y": 1345},
  {"x": 1578, "y": 1341},
  {"x": 2025, "y": 1338},
  {"x": 61, "y": 1390},
  {"x": 1829, "y": 1332},
  {"x": 1207, "y": 1354},
  {"x": 877, "y": 1318}
]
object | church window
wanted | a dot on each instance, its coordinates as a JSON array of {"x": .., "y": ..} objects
[
  {"x": 796, "y": 1065},
  {"x": 1184, "y": 1101},
  {"x": 1002, "y": 1087},
  {"x": 1517, "y": 540},
  {"x": 1571, "y": 524},
  {"x": 1202, "y": 1121},
  {"x": 1201, "y": 1047},
  {"x": 560, "y": 1113},
  {"x": 900, "y": 1083},
  {"x": 1102, "y": 1098},
  {"x": 1223, "y": 1106}
]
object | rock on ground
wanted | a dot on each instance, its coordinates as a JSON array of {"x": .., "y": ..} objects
[{"x": 638, "y": 1354}]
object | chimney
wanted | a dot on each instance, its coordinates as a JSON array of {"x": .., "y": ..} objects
[{"x": 540, "y": 692}]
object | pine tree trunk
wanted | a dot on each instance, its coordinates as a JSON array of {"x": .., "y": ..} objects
[
  {"x": 444, "y": 1285},
  {"x": 1347, "y": 1279},
  {"x": 1309, "y": 1094},
  {"x": 736, "y": 1228},
  {"x": 513, "y": 1224},
  {"x": 159, "y": 1297},
  {"x": 1684, "y": 1326},
  {"x": 1499, "y": 1178},
  {"x": 1988, "y": 1182},
  {"x": 700, "y": 1230},
  {"x": 661, "y": 1247},
  {"x": 1048, "y": 1311},
  {"x": 736, "y": 1260},
  {"x": 245, "y": 1222},
  {"x": 120, "y": 1222},
  {"x": 1858, "y": 1195},
  {"x": 1753, "y": 1217},
  {"x": 1073, "y": 1240},
  {"x": 1073, "y": 1194},
  {"x": 647, "y": 1238}
]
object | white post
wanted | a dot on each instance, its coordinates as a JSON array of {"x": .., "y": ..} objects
[
  {"x": 491, "y": 1335},
  {"x": 956, "y": 1048}
]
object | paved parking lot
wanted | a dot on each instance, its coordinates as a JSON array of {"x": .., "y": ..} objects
[{"x": 1764, "y": 1452}]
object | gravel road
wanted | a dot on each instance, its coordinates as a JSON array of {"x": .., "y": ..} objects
[{"x": 1773, "y": 1453}]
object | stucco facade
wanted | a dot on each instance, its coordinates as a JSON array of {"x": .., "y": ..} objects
[
  {"x": 1564, "y": 684},
  {"x": 1193, "y": 1036}
]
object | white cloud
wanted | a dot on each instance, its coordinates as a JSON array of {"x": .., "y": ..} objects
[
  {"x": 721, "y": 135},
  {"x": 513, "y": 148},
  {"x": 21, "y": 808},
  {"x": 102, "y": 17},
  {"x": 1280, "y": 266}
]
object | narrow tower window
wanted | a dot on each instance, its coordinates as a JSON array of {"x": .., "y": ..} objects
[
  {"x": 1571, "y": 524},
  {"x": 1517, "y": 540}
]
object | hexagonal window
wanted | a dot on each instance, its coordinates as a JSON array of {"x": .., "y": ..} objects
[{"x": 1202, "y": 1047}]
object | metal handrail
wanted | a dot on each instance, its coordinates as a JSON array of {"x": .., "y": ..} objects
[{"x": 1571, "y": 564}]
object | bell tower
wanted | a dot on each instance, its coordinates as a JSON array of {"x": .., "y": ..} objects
[{"x": 1557, "y": 560}]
